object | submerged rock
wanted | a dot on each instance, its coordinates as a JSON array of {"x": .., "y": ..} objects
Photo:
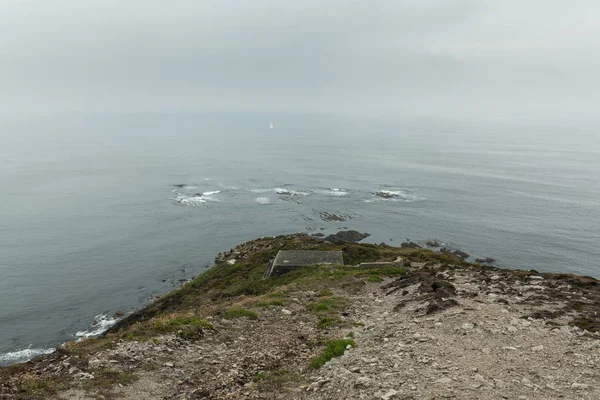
[
  {"x": 329, "y": 217},
  {"x": 487, "y": 260},
  {"x": 385, "y": 195}
]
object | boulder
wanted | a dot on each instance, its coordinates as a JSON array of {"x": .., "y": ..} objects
[
  {"x": 347, "y": 236},
  {"x": 385, "y": 195},
  {"x": 411, "y": 245},
  {"x": 460, "y": 254}
]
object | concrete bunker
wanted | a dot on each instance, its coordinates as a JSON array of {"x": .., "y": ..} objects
[{"x": 287, "y": 260}]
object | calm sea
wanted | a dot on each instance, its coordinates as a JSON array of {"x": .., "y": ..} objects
[{"x": 99, "y": 214}]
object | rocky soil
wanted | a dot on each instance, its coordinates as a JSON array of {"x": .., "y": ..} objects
[
  {"x": 482, "y": 347},
  {"x": 440, "y": 331}
]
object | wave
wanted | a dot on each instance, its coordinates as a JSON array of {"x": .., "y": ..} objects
[
  {"x": 263, "y": 200},
  {"x": 402, "y": 195},
  {"x": 22, "y": 355},
  {"x": 282, "y": 191},
  {"x": 261, "y": 190},
  {"x": 196, "y": 199},
  {"x": 335, "y": 192},
  {"x": 185, "y": 186},
  {"x": 100, "y": 325}
]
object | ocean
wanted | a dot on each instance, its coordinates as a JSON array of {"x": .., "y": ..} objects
[{"x": 99, "y": 214}]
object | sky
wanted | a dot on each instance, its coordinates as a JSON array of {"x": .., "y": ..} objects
[{"x": 470, "y": 59}]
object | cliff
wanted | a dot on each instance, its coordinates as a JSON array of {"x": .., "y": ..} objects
[{"x": 437, "y": 327}]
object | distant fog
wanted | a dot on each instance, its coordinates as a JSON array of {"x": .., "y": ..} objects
[{"x": 509, "y": 60}]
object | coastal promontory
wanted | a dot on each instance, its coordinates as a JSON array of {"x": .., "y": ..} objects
[{"x": 390, "y": 323}]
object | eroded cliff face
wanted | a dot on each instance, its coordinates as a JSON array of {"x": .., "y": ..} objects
[{"x": 437, "y": 327}]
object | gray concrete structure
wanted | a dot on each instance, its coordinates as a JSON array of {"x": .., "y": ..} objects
[{"x": 286, "y": 260}]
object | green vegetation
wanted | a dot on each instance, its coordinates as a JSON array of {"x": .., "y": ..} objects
[
  {"x": 245, "y": 278},
  {"x": 374, "y": 278},
  {"x": 239, "y": 313},
  {"x": 334, "y": 348},
  {"x": 39, "y": 387},
  {"x": 258, "y": 377},
  {"x": 86, "y": 346},
  {"x": 328, "y": 309},
  {"x": 269, "y": 303},
  {"x": 326, "y": 322},
  {"x": 274, "y": 295},
  {"x": 185, "y": 327},
  {"x": 329, "y": 303}
]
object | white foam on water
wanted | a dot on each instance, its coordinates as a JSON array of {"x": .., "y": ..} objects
[
  {"x": 402, "y": 195},
  {"x": 263, "y": 200},
  {"x": 184, "y": 187},
  {"x": 261, "y": 190},
  {"x": 290, "y": 192},
  {"x": 22, "y": 355},
  {"x": 196, "y": 199},
  {"x": 193, "y": 200},
  {"x": 335, "y": 192},
  {"x": 100, "y": 325},
  {"x": 281, "y": 191}
]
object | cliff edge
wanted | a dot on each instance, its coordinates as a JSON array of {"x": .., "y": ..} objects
[{"x": 425, "y": 325}]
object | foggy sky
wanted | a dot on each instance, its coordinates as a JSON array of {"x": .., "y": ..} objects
[{"x": 441, "y": 58}]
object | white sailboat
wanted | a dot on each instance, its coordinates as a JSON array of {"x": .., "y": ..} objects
[{"x": 271, "y": 126}]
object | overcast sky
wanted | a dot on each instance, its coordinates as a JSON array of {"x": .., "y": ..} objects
[{"x": 440, "y": 58}]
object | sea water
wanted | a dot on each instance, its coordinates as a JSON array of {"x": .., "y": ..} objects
[{"x": 99, "y": 214}]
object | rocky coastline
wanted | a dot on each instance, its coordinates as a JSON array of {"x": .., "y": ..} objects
[{"x": 426, "y": 325}]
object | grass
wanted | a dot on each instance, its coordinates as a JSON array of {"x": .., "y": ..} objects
[
  {"x": 327, "y": 322},
  {"x": 327, "y": 310},
  {"x": 328, "y": 303},
  {"x": 333, "y": 348},
  {"x": 274, "y": 295},
  {"x": 223, "y": 282},
  {"x": 240, "y": 313},
  {"x": 39, "y": 387},
  {"x": 374, "y": 279},
  {"x": 86, "y": 346},
  {"x": 259, "y": 377},
  {"x": 269, "y": 303},
  {"x": 185, "y": 327}
]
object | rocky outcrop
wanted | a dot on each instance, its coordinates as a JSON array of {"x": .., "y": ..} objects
[
  {"x": 425, "y": 325},
  {"x": 461, "y": 254},
  {"x": 487, "y": 260},
  {"x": 411, "y": 245},
  {"x": 347, "y": 236}
]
